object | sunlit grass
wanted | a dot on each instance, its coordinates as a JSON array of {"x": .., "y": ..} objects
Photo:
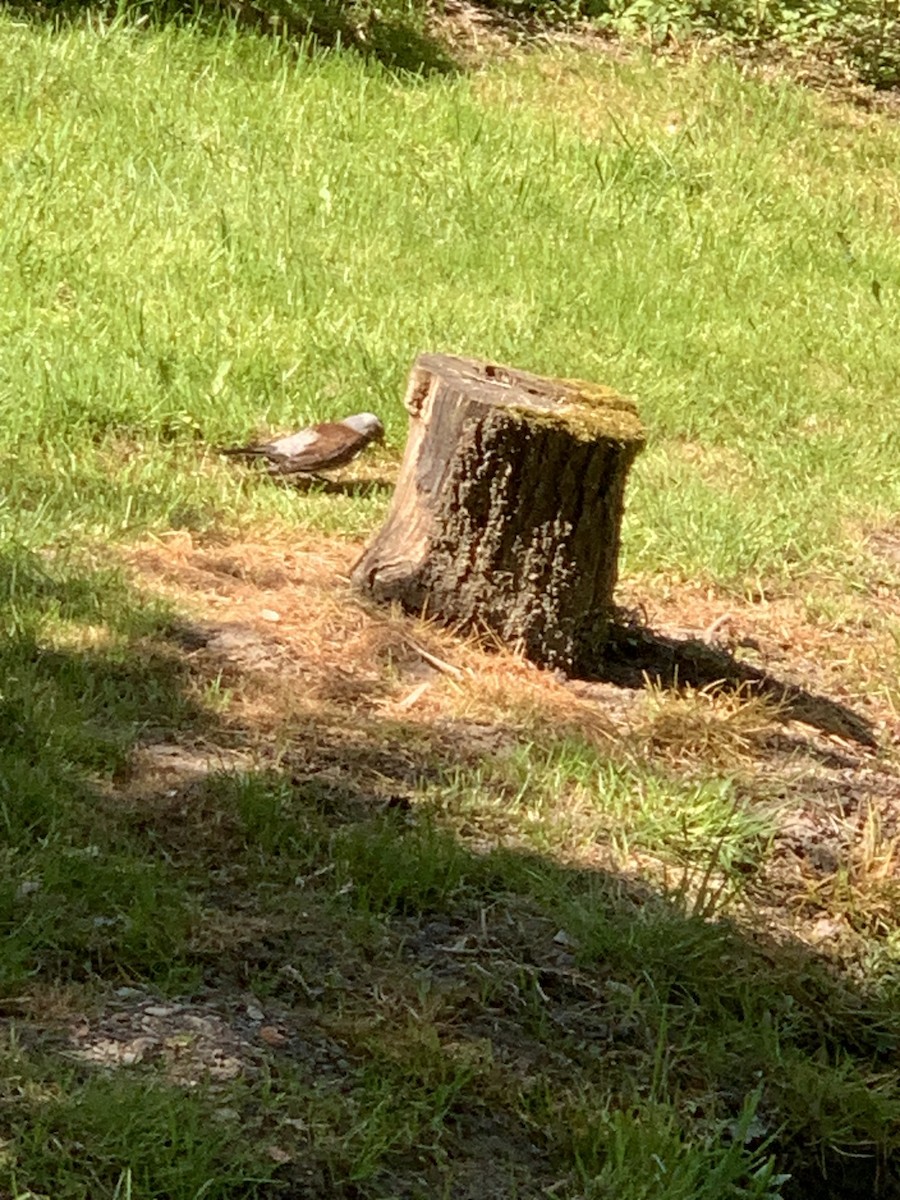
[
  {"x": 206, "y": 238},
  {"x": 570, "y": 798}
]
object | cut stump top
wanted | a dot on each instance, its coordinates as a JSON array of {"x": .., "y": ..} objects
[{"x": 586, "y": 411}]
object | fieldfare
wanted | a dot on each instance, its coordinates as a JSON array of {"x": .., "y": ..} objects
[{"x": 319, "y": 448}]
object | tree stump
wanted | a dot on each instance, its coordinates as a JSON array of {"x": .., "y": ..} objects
[{"x": 507, "y": 511}]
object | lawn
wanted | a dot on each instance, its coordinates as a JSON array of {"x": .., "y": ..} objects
[{"x": 305, "y": 898}]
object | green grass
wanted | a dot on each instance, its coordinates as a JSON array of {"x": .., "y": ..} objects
[
  {"x": 207, "y": 237},
  {"x": 583, "y": 796},
  {"x": 203, "y": 237},
  {"x": 162, "y": 1143}
]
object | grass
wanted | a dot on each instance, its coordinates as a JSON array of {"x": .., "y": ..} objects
[
  {"x": 170, "y": 1148},
  {"x": 246, "y": 236},
  {"x": 462, "y": 932}
]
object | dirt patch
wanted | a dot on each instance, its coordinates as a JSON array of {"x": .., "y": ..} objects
[
  {"x": 282, "y": 621},
  {"x": 279, "y": 627},
  {"x": 201, "y": 1042},
  {"x": 835, "y": 647},
  {"x": 312, "y": 679},
  {"x": 884, "y": 545}
]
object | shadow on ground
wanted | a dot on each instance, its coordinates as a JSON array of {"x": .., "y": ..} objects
[
  {"x": 357, "y": 488},
  {"x": 433, "y": 1017},
  {"x": 637, "y": 656},
  {"x": 393, "y": 38}
]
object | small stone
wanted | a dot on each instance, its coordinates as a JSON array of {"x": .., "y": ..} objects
[
  {"x": 131, "y": 1055},
  {"x": 755, "y": 1131},
  {"x": 254, "y": 1013},
  {"x": 269, "y": 614},
  {"x": 826, "y": 929},
  {"x": 161, "y": 1010},
  {"x": 227, "y": 1067},
  {"x": 203, "y": 1026}
]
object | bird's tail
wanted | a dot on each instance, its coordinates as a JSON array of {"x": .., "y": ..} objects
[{"x": 242, "y": 451}]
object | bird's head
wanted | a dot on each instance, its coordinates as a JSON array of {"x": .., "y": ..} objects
[{"x": 366, "y": 424}]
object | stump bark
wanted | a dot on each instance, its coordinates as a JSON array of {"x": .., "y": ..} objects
[{"x": 507, "y": 511}]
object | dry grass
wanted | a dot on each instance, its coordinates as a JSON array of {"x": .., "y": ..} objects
[
  {"x": 311, "y": 641},
  {"x": 302, "y": 670},
  {"x": 820, "y": 636},
  {"x": 705, "y": 729},
  {"x": 304, "y": 639}
]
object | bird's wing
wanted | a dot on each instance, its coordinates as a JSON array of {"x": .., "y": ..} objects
[
  {"x": 293, "y": 444},
  {"x": 333, "y": 446},
  {"x": 318, "y": 448},
  {"x": 279, "y": 448}
]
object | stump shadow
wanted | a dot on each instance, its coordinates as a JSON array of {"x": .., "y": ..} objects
[
  {"x": 398, "y": 44},
  {"x": 638, "y": 656}
]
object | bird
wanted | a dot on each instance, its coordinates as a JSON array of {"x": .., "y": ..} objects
[{"x": 317, "y": 448}]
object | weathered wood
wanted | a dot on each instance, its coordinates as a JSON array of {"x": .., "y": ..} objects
[{"x": 506, "y": 514}]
